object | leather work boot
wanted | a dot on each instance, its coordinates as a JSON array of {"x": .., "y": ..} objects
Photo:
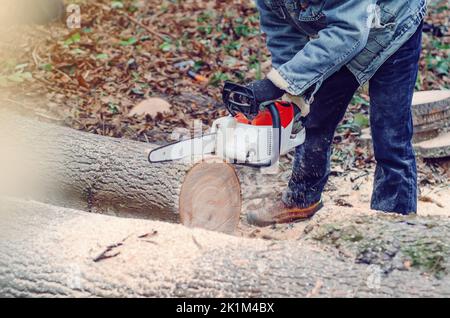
[{"x": 279, "y": 213}]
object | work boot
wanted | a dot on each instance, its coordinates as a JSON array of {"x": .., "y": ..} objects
[{"x": 279, "y": 213}]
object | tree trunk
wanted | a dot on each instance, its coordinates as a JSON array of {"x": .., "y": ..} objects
[
  {"x": 47, "y": 251},
  {"x": 74, "y": 169}
]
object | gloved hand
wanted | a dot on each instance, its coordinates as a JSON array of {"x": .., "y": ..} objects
[
  {"x": 265, "y": 90},
  {"x": 301, "y": 103}
]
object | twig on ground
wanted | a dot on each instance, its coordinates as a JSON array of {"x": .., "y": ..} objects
[
  {"x": 135, "y": 21},
  {"x": 147, "y": 235},
  {"x": 428, "y": 199},
  {"x": 364, "y": 174},
  {"x": 197, "y": 243},
  {"x": 104, "y": 255}
]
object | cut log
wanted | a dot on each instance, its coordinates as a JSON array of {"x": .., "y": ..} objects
[
  {"x": 47, "y": 251},
  {"x": 74, "y": 169},
  {"x": 438, "y": 147},
  {"x": 431, "y": 116}
]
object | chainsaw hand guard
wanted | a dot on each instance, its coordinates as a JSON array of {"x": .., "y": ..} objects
[{"x": 240, "y": 99}]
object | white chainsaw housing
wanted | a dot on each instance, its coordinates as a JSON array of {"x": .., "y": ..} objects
[
  {"x": 234, "y": 142},
  {"x": 253, "y": 145}
]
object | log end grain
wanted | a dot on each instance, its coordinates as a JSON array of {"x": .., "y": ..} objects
[{"x": 210, "y": 197}]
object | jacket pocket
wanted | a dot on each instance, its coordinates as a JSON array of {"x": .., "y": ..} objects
[
  {"x": 382, "y": 33},
  {"x": 379, "y": 39}
]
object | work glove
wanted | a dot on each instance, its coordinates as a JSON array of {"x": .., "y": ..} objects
[
  {"x": 265, "y": 90},
  {"x": 301, "y": 103}
]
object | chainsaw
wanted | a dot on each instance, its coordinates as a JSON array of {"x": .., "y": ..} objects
[{"x": 253, "y": 134}]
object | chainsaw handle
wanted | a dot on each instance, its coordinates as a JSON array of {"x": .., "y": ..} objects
[{"x": 276, "y": 137}]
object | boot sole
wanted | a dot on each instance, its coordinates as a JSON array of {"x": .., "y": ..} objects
[{"x": 291, "y": 217}]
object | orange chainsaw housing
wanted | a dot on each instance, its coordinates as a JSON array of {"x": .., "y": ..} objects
[{"x": 285, "y": 109}]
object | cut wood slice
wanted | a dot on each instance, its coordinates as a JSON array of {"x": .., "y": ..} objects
[
  {"x": 210, "y": 197},
  {"x": 430, "y": 97},
  {"x": 438, "y": 147},
  {"x": 431, "y": 111},
  {"x": 431, "y": 116}
]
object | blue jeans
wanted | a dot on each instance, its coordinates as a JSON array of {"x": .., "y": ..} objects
[{"x": 391, "y": 90}]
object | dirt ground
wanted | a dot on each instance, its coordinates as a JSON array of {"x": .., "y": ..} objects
[{"x": 345, "y": 193}]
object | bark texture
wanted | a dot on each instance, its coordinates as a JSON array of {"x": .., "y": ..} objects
[
  {"x": 50, "y": 251},
  {"x": 74, "y": 169}
]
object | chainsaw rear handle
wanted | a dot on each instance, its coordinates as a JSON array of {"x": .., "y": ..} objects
[
  {"x": 276, "y": 128},
  {"x": 276, "y": 136}
]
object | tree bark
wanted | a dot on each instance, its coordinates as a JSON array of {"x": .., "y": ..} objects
[
  {"x": 48, "y": 251},
  {"x": 74, "y": 169}
]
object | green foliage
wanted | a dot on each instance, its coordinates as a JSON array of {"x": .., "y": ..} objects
[
  {"x": 428, "y": 255},
  {"x": 218, "y": 78},
  {"x": 361, "y": 120},
  {"x": 102, "y": 56},
  {"x": 113, "y": 108},
  {"x": 46, "y": 67},
  {"x": 18, "y": 77},
  {"x": 358, "y": 100},
  {"x": 166, "y": 46},
  {"x": 14, "y": 74},
  {"x": 74, "y": 38},
  {"x": 129, "y": 42},
  {"x": 117, "y": 4}
]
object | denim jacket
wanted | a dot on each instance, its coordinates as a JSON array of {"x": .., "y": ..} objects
[{"x": 311, "y": 39}]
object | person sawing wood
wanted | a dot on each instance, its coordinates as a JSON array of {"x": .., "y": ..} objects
[{"x": 322, "y": 51}]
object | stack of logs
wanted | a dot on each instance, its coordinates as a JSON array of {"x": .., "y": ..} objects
[{"x": 431, "y": 116}]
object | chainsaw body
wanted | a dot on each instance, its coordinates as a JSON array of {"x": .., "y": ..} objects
[
  {"x": 253, "y": 134},
  {"x": 256, "y": 142}
]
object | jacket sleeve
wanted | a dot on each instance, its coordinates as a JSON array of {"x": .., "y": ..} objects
[
  {"x": 283, "y": 40},
  {"x": 344, "y": 37}
]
